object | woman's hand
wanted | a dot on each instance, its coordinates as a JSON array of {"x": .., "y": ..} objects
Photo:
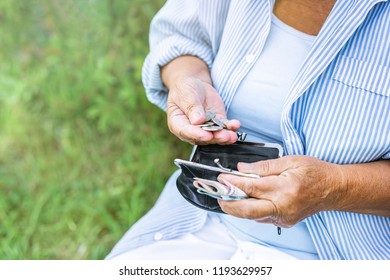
[
  {"x": 291, "y": 188},
  {"x": 188, "y": 102},
  {"x": 190, "y": 97}
]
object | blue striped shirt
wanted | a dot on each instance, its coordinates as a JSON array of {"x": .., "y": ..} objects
[{"x": 337, "y": 109}]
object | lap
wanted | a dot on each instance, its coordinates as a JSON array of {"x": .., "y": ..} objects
[{"x": 212, "y": 242}]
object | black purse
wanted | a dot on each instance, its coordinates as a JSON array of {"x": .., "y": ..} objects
[{"x": 208, "y": 161}]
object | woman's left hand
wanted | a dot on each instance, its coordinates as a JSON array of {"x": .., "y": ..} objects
[{"x": 290, "y": 189}]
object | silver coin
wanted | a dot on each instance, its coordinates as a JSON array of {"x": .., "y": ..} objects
[
  {"x": 209, "y": 116},
  {"x": 218, "y": 122},
  {"x": 212, "y": 128},
  {"x": 224, "y": 121},
  {"x": 206, "y": 124}
]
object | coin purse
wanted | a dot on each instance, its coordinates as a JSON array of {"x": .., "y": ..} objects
[{"x": 208, "y": 161}]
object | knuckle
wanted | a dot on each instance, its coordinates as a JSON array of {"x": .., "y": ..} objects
[
  {"x": 181, "y": 134},
  {"x": 266, "y": 168},
  {"x": 225, "y": 207},
  {"x": 262, "y": 168},
  {"x": 250, "y": 187},
  {"x": 184, "y": 137},
  {"x": 190, "y": 107}
]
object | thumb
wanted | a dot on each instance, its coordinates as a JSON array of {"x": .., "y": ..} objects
[
  {"x": 190, "y": 103},
  {"x": 196, "y": 115},
  {"x": 189, "y": 95},
  {"x": 264, "y": 167}
]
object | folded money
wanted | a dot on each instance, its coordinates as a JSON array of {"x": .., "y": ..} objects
[{"x": 224, "y": 190}]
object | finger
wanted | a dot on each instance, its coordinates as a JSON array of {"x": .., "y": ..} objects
[
  {"x": 253, "y": 187},
  {"x": 232, "y": 124},
  {"x": 195, "y": 135},
  {"x": 225, "y": 137},
  {"x": 180, "y": 126},
  {"x": 189, "y": 101},
  {"x": 265, "y": 220},
  {"x": 196, "y": 114},
  {"x": 194, "y": 111},
  {"x": 253, "y": 209},
  {"x": 265, "y": 167}
]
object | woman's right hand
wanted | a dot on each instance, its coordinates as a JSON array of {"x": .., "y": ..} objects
[{"x": 190, "y": 97}]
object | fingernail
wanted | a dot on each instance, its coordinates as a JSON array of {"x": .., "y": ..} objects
[{"x": 220, "y": 178}]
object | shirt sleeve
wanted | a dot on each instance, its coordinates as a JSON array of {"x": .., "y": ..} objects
[{"x": 175, "y": 30}]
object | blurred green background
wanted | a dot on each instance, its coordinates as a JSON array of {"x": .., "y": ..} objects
[{"x": 82, "y": 153}]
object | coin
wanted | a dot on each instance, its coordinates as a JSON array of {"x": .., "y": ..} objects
[
  {"x": 209, "y": 116},
  {"x": 212, "y": 128},
  {"x": 206, "y": 124},
  {"x": 218, "y": 122},
  {"x": 212, "y": 123}
]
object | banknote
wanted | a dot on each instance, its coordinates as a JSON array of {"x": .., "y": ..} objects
[{"x": 220, "y": 190}]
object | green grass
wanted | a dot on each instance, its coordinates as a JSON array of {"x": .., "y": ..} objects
[{"x": 82, "y": 153}]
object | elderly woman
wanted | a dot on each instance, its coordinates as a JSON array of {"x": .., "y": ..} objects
[{"x": 313, "y": 76}]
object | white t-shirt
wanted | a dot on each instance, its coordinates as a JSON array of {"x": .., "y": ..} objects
[
  {"x": 258, "y": 105},
  {"x": 259, "y": 100}
]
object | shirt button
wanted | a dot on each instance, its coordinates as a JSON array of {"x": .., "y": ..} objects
[
  {"x": 158, "y": 236},
  {"x": 249, "y": 58}
]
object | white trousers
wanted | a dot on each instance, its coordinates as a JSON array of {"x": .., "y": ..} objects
[{"x": 212, "y": 242}]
